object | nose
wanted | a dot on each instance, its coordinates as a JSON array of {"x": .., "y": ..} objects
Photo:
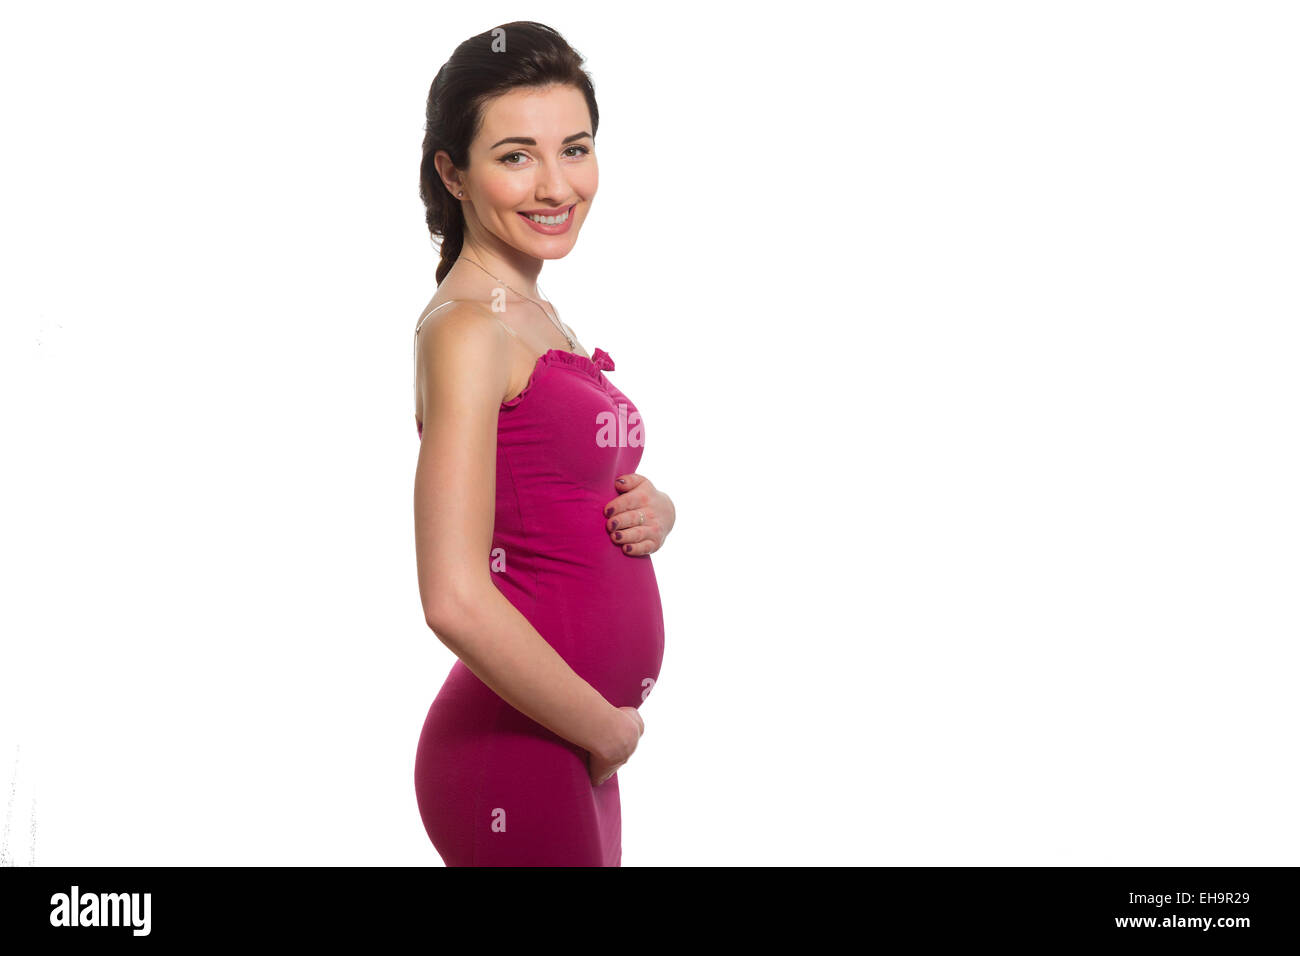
[{"x": 552, "y": 184}]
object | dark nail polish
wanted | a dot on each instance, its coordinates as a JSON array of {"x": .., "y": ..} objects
[
  {"x": 618, "y": 536},
  {"x": 609, "y": 511},
  {"x": 627, "y": 547}
]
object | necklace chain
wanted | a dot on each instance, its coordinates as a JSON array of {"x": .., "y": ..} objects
[{"x": 573, "y": 346}]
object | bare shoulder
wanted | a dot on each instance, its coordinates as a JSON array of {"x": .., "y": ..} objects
[
  {"x": 459, "y": 351},
  {"x": 452, "y": 329},
  {"x": 456, "y": 312}
]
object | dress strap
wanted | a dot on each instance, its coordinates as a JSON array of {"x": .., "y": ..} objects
[
  {"x": 449, "y": 302},
  {"x": 420, "y": 324},
  {"x": 431, "y": 311}
]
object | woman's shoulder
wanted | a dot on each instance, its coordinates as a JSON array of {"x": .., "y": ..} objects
[
  {"x": 453, "y": 313},
  {"x": 458, "y": 349}
]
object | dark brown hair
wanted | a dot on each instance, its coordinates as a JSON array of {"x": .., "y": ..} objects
[{"x": 513, "y": 55}]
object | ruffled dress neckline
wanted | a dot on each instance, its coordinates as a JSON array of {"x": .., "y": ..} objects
[{"x": 599, "y": 362}]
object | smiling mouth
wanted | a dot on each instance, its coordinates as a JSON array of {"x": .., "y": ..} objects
[{"x": 558, "y": 219}]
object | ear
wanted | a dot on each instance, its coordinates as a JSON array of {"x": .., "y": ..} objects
[{"x": 449, "y": 174}]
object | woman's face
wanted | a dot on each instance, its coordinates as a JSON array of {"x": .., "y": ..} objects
[{"x": 533, "y": 155}]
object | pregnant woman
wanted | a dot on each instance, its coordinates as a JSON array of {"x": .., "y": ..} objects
[{"x": 533, "y": 531}]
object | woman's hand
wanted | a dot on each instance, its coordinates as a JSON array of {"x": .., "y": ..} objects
[
  {"x": 602, "y": 768},
  {"x": 640, "y": 518}
]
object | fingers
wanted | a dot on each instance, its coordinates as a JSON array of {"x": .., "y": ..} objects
[
  {"x": 636, "y": 548},
  {"x": 632, "y": 502},
  {"x": 633, "y": 493},
  {"x": 638, "y": 539},
  {"x": 633, "y": 533},
  {"x": 604, "y": 770},
  {"x": 628, "y": 482},
  {"x": 608, "y": 773},
  {"x": 632, "y": 520},
  {"x": 635, "y": 715}
]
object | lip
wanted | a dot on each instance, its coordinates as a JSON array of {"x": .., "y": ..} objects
[
  {"x": 556, "y": 211},
  {"x": 550, "y": 211}
]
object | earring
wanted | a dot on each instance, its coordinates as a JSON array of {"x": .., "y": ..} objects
[{"x": 460, "y": 194}]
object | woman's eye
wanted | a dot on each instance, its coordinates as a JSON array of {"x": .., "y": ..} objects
[{"x": 582, "y": 151}]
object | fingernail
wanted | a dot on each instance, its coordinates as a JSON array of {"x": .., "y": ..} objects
[
  {"x": 627, "y": 547},
  {"x": 622, "y": 481},
  {"x": 609, "y": 511},
  {"x": 618, "y": 535}
]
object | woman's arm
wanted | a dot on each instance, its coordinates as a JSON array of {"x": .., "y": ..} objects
[{"x": 462, "y": 378}]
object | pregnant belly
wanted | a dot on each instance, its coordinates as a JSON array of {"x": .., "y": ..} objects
[{"x": 604, "y": 617}]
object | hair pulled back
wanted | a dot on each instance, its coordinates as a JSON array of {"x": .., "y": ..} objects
[{"x": 511, "y": 56}]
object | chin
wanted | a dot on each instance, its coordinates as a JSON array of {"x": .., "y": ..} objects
[{"x": 552, "y": 252}]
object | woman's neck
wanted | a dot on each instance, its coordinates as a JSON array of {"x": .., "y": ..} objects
[{"x": 519, "y": 272}]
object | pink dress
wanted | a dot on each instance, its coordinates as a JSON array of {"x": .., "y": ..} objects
[{"x": 494, "y": 787}]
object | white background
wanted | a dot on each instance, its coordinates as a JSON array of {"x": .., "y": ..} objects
[{"x": 965, "y": 336}]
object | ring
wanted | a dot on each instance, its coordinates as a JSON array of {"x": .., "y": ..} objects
[{"x": 642, "y": 514}]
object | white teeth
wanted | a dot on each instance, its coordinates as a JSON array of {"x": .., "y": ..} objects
[{"x": 551, "y": 220}]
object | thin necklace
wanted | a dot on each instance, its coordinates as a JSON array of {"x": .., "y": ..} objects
[{"x": 573, "y": 346}]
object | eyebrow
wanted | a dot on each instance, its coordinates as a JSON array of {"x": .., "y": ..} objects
[{"x": 528, "y": 141}]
